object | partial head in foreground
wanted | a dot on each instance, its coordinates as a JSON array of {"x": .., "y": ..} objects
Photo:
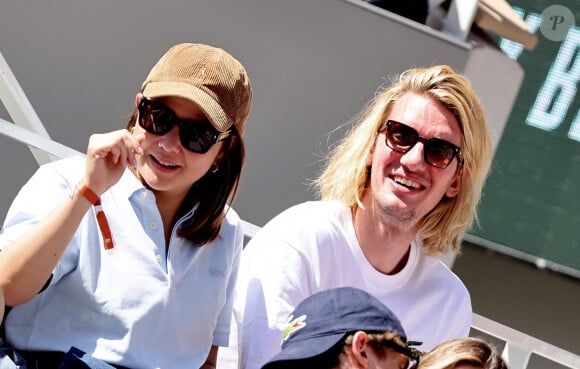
[
  {"x": 343, "y": 327},
  {"x": 463, "y": 353}
]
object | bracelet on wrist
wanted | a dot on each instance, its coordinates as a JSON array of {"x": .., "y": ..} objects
[
  {"x": 88, "y": 194},
  {"x": 95, "y": 200}
]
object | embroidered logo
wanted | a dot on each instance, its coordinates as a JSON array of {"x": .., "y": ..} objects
[
  {"x": 293, "y": 326},
  {"x": 202, "y": 70}
]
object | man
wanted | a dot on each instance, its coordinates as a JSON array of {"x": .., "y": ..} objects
[
  {"x": 401, "y": 188},
  {"x": 343, "y": 328}
]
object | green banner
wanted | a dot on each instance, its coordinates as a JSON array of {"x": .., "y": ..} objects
[{"x": 531, "y": 201}]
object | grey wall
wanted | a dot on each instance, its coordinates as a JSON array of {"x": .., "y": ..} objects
[{"x": 313, "y": 65}]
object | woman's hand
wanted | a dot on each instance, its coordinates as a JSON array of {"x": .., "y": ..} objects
[{"x": 108, "y": 155}]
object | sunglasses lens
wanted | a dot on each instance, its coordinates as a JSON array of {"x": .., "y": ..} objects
[
  {"x": 155, "y": 118},
  {"x": 197, "y": 137},
  {"x": 400, "y": 137},
  {"x": 439, "y": 153}
]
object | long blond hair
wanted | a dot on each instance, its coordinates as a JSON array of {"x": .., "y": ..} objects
[{"x": 346, "y": 175}]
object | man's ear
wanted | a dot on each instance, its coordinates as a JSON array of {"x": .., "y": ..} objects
[
  {"x": 370, "y": 155},
  {"x": 359, "y": 349},
  {"x": 455, "y": 186}
]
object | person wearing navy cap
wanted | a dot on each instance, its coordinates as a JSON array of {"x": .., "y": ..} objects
[{"x": 343, "y": 328}]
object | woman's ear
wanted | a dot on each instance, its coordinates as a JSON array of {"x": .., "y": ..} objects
[
  {"x": 217, "y": 161},
  {"x": 233, "y": 139},
  {"x": 359, "y": 349},
  {"x": 138, "y": 98}
]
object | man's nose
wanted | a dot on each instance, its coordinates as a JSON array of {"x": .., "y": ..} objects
[{"x": 415, "y": 156}]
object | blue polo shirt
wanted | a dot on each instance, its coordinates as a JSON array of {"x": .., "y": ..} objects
[{"x": 134, "y": 305}]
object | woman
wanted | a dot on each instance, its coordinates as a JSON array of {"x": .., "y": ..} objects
[
  {"x": 131, "y": 254},
  {"x": 465, "y": 353}
]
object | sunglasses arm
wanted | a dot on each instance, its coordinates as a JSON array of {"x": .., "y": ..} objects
[{"x": 222, "y": 136}]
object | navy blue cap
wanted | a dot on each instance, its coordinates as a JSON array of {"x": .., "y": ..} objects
[{"x": 324, "y": 318}]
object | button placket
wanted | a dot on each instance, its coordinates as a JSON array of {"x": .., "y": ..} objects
[{"x": 154, "y": 225}]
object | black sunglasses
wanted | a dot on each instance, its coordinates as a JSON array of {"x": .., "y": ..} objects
[
  {"x": 437, "y": 152},
  {"x": 411, "y": 353},
  {"x": 196, "y": 136}
]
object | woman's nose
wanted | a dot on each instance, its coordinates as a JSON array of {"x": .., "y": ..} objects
[{"x": 170, "y": 141}]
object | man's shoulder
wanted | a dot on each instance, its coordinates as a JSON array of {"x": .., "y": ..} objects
[
  {"x": 310, "y": 217},
  {"x": 439, "y": 274},
  {"x": 307, "y": 210},
  {"x": 305, "y": 225}
]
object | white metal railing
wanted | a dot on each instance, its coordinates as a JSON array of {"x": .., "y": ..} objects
[
  {"x": 28, "y": 129},
  {"x": 519, "y": 347},
  {"x": 20, "y": 109}
]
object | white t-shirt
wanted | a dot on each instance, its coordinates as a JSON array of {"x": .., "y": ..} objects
[{"x": 313, "y": 247}]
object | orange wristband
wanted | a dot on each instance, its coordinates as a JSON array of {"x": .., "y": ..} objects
[
  {"x": 88, "y": 194},
  {"x": 94, "y": 199},
  {"x": 108, "y": 242}
]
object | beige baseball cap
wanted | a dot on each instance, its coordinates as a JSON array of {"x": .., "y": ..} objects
[{"x": 209, "y": 77}]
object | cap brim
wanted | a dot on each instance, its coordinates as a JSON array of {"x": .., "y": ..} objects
[
  {"x": 304, "y": 349},
  {"x": 210, "y": 108}
]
